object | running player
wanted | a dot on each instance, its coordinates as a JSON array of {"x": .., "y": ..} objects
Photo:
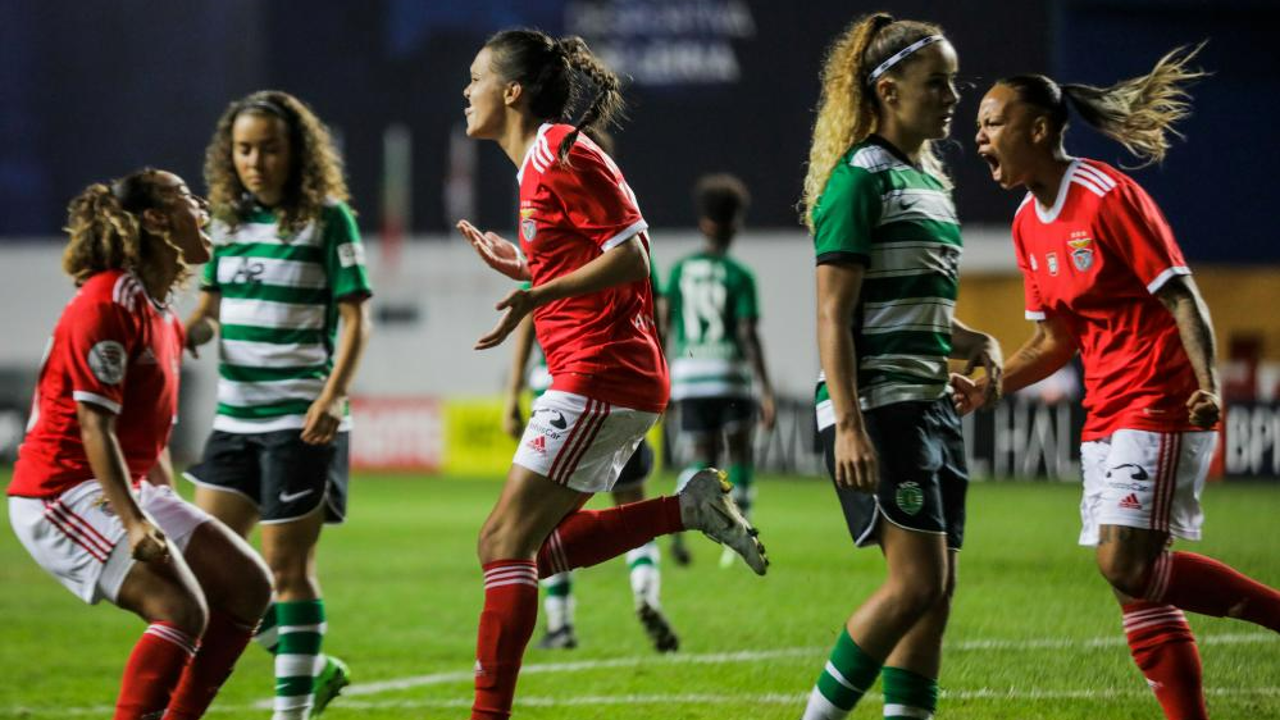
[
  {"x": 587, "y": 253},
  {"x": 1104, "y": 277},
  {"x": 91, "y": 497},
  {"x": 715, "y": 350},
  {"x": 287, "y": 266},
  {"x": 888, "y": 249},
  {"x": 646, "y": 580}
]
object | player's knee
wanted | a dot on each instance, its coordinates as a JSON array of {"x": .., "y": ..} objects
[
  {"x": 919, "y": 596},
  {"x": 187, "y": 610},
  {"x": 254, "y": 589},
  {"x": 1126, "y": 575}
]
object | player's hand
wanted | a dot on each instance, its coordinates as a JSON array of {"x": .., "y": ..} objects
[
  {"x": 496, "y": 252},
  {"x": 987, "y": 355},
  {"x": 968, "y": 394},
  {"x": 147, "y": 543},
  {"x": 1204, "y": 408},
  {"x": 323, "y": 418},
  {"x": 856, "y": 464},
  {"x": 512, "y": 419},
  {"x": 198, "y": 333},
  {"x": 517, "y": 303},
  {"x": 768, "y": 412}
]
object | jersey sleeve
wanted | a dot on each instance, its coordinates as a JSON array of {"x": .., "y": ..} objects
[
  {"x": 1141, "y": 236},
  {"x": 209, "y": 273},
  {"x": 348, "y": 276},
  {"x": 746, "y": 305},
  {"x": 655, "y": 278},
  {"x": 1033, "y": 305},
  {"x": 596, "y": 201},
  {"x": 846, "y": 213},
  {"x": 99, "y": 339}
]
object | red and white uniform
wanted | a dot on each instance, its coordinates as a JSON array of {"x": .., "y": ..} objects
[
  {"x": 114, "y": 348},
  {"x": 609, "y": 376},
  {"x": 1095, "y": 261},
  {"x": 602, "y": 345}
]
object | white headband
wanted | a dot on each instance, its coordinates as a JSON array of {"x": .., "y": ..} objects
[{"x": 901, "y": 55}]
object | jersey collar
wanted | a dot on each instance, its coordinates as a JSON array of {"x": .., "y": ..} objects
[
  {"x": 1048, "y": 215},
  {"x": 542, "y": 130}
]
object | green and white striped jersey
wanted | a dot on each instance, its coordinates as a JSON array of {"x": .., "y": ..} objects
[
  {"x": 899, "y": 222},
  {"x": 279, "y": 314},
  {"x": 708, "y": 295}
]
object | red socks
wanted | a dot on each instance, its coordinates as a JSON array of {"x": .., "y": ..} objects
[
  {"x": 224, "y": 640},
  {"x": 506, "y": 624},
  {"x": 588, "y": 537},
  {"x": 153, "y": 671},
  {"x": 1165, "y": 650},
  {"x": 1204, "y": 585}
]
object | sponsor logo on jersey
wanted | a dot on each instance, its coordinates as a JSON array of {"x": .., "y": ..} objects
[
  {"x": 350, "y": 254},
  {"x": 1131, "y": 502},
  {"x": 538, "y": 444},
  {"x": 910, "y": 497},
  {"x": 1137, "y": 473},
  {"x": 107, "y": 360},
  {"x": 1051, "y": 262},
  {"x": 1081, "y": 250},
  {"x": 250, "y": 271}
]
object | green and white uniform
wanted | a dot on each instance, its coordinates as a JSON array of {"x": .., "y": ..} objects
[
  {"x": 279, "y": 314},
  {"x": 898, "y": 221},
  {"x": 709, "y": 295}
]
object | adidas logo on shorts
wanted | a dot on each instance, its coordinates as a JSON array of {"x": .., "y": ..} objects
[
  {"x": 538, "y": 444},
  {"x": 1131, "y": 502}
]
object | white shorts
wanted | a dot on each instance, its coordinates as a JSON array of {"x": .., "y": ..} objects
[
  {"x": 77, "y": 538},
  {"x": 580, "y": 442},
  {"x": 1143, "y": 479}
]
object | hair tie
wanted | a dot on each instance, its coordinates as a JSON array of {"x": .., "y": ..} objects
[{"x": 901, "y": 55}]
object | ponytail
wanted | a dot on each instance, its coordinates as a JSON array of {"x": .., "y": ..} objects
[
  {"x": 607, "y": 105},
  {"x": 104, "y": 226}
]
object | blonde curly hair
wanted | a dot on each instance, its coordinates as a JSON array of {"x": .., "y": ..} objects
[
  {"x": 104, "y": 228},
  {"x": 315, "y": 175},
  {"x": 848, "y": 111}
]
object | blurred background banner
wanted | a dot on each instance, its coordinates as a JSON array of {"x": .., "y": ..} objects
[{"x": 93, "y": 89}]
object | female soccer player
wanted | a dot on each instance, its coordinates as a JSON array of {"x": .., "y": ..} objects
[
  {"x": 1104, "y": 277},
  {"x": 586, "y": 254},
  {"x": 87, "y": 499},
  {"x": 287, "y": 266},
  {"x": 888, "y": 250}
]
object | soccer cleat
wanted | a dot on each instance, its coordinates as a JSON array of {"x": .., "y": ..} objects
[
  {"x": 679, "y": 551},
  {"x": 659, "y": 630},
  {"x": 561, "y": 639},
  {"x": 329, "y": 683},
  {"x": 705, "y": 505}
]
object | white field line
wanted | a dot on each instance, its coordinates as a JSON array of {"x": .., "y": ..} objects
[{"x": 813, "y": 653}]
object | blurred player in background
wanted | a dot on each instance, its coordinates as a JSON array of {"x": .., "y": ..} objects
[
  {"x": 715, "y": 351},
  {"x": 587, "y": 262},
  {"x": 1104, "y": 277},
  {"x": 888, "y": 252},
  {"x": 92, "y": 497},
  {"x": 646, "y": 580},
  {"x": 288, "y": 294}
]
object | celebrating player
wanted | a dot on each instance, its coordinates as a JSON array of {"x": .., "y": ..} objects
[
  {"x": 711, "y": 323},
  {"x": 888, "y": 250},
  {"x": 287, "y": 266},
  {"x": 646, "y": 580},
  {"x": 1104, "y": 277},
  {"x": 91, "y": 497},
  {"x": 586, "y": 254}
]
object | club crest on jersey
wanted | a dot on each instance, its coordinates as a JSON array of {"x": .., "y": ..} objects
[
  {"x": 1051, "y": 262},
  {"x": 528, "y": 226},
  {"x": 1081, "y": 250}
]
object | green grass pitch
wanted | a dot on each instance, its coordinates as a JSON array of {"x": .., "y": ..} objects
[{"x": 1035, "y": 633}]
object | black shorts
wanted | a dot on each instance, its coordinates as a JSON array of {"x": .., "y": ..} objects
[
  {"x": 923, "y": 477},
  {"x": 284, "y": 477},
  {"x": 707, "y": 415},
  {"x": 637, "y": 469}
]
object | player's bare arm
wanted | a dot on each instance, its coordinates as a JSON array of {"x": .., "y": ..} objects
[
  {"x": 979, "y": 349},
  {"x": 98, "y": 432},
  {"x": 326, "y": 413},
  {"x": 202, "y": 325},
  {"x": 1049, "y": 348},
  {"x": 754, "y": 350},
  {"x": 1190, "y": 313},
  {"x": 855, "y": 457}
]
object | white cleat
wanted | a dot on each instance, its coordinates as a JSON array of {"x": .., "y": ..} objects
[{"x": 705, "y": 504}]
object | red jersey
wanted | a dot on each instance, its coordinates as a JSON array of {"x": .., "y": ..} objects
[
  {"x": 1095, "y": 260},
  {"x": 602, "y": 345},
  {"x": 114, "y": 348}
]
